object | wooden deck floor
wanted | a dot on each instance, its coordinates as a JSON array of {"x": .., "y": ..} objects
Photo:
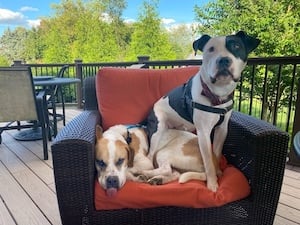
[{"x": 27, "y": 189}]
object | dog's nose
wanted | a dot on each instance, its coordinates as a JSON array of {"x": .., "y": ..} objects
[
  {"x": 224, "y": 62},
  {"x": 112, "y": 182}
]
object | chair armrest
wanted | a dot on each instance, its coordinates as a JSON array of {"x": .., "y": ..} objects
[
  {"x": 73, "y": 164},
  {"x": 259, "y": 150}
]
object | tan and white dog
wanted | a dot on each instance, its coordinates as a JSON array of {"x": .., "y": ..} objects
[
  {"x": 205, "y": 102},
  {"x": 177, "y": 157},
  {"x": 121, "y": 155},
  {"x": 120, "y": 152}
]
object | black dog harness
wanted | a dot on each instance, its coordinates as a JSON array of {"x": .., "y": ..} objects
[
  {"x": 185, "y": 106},
  {"x": 188, "y": 105}
]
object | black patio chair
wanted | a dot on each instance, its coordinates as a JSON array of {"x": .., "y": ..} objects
[{"x": 57, "y": 96}]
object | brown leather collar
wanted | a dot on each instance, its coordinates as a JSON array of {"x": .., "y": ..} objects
[{"x": 214, "y": 99}]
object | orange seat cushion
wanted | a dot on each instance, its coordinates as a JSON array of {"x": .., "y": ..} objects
[
  {"x": 233, "y": 186},
  {"x": 126, "y": 96}
]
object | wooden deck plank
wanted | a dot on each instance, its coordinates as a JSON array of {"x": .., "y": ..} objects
[
  {"x": 36, "y": 164},
  {"x": 36, "y": 189},
  {"x": 5, "y": 217},
  {"x": 282, "y": 221},
  {"x": 30, "y": 178},
  {"x": 18, "y": 202},
  {"x": 288, "y": 213},
  {"x": 290, "y": 201},
  {"x": 289, "y": 190}
]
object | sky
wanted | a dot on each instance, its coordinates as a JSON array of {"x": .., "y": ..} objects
[{"x": 27, "y": 13}]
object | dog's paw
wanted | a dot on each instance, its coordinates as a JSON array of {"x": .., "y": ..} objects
[
  {"x": 212, "y": 185},
  {"x": 219, "y": 173},
  {"x": 142, "y": 178},
  {"x": 155, "y": 181}
]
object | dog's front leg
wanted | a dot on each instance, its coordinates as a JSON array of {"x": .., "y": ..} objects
[
  {"x": 156, "y": 138},
  {"x": 219, "y": 138},
  {"x": 207, "y": 155}
]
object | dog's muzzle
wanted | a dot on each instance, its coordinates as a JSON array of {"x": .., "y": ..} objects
[
  {"x": 112, "y": 182},
  {"x": 223, "y": 64}
]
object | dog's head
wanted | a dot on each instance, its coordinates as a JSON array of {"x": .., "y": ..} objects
[
  {"x": 224, "y": 58},
  {"x": 113, "y": 156}
]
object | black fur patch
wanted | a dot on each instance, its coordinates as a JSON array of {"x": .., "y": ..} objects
[
  {"x": 236, "y": 47},
  {"x": 178, "y": 101},
  {"x": 241, "y": 44},
  {"x": 151, "y": 124}
]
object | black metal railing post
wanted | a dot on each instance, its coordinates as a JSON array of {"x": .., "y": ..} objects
[
  {"x": 78, "y": 72},
  {"x": 17, "y": 63},
  {"x": 142, "y": 59}
]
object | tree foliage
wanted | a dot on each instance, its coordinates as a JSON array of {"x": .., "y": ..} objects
[
  {"x": 276, "y": 23},
  {"x": 181, "y": 39},
  {"x": 12, "y": 43},
  {"x": 78, "y": 31},
  {"x": 149, "y": 38},
  {"x": 94, "y": 31}
]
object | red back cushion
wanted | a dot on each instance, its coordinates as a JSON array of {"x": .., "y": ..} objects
[{"x": 125, "y": 96}]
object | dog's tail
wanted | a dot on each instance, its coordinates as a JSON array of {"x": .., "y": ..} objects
[{"x": 185, "y": 177}]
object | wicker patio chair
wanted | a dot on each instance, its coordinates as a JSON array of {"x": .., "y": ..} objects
[
  {"x": 255, "y": 147},
  {"x": 19, "y": 102}
]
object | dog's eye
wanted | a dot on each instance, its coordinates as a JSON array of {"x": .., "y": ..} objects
[
  {"x": 235, "y": 45},
  {"x": 101, "y": 163},
  {"x": 120, "y": 162},
  {"x": 211, "y": 49}
]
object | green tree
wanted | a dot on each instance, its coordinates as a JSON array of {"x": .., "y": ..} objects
[
  {"x": 12, "y": 44},
  {"x": 78, "y": 30},
  {"x": 3, "y": 61},
  {"x": 181, "y": 41},
  {"x": 120, "y": 30},
  {"x": 149, "y": 38},
  {"x": 275, "y": 23},
  {"x": 33, "y": 46}
]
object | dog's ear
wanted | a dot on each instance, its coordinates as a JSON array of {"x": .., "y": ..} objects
[
  {"x": 130, "y": 154},
  {"x": 99, "y": 132},
  {"x": 199, "y": 44},
  {"x": 250, "y": 42}
]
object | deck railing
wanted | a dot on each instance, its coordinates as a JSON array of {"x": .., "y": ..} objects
[{"x": 267, "y": 89}]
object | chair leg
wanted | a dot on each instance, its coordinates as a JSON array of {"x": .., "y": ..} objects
[
  {"x": 47, "y": 120},
  {"x": 54, "y": 115},
  {"x": 45, "y": 141},
  {"x": 63, "y": 107},
  {"x": 43, "y": 122}
]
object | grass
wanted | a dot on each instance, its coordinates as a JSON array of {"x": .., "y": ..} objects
[{"x": 282, "y": 122}]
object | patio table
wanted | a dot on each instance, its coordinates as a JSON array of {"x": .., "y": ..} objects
[{"x": 49, "y": 83}]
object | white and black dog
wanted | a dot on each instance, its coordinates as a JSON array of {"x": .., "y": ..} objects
[{"x": 205, "y": 102}]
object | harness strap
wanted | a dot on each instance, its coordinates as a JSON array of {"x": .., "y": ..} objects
[
  {"x": 206, "y": 108},
  {"x": 220, "y": 111}
]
